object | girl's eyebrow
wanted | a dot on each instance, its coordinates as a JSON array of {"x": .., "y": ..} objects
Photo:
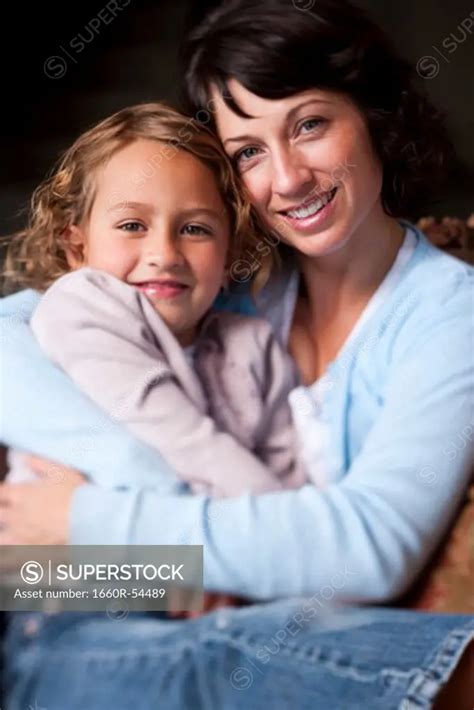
[
  {"x": 288, "y": 117},
  {"x": 119, "y": 206}
]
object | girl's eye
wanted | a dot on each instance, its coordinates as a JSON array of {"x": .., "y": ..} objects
[
  {"x": 310, "y": 124},
  {"x": 246, "y": 154},
  {"x": 196, "y": 229},
  {"x": 131, "y": 226}
]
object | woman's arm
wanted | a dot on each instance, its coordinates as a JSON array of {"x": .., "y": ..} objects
[
  {"x": 36, "y": 397},
  {"x": 363, "y": 539}
]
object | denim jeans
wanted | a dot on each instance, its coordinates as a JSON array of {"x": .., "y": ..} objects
[{"x": 285, "y": 654}]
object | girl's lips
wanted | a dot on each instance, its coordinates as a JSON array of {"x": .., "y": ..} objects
[
  {"x": 168, "y": 289},
  {"x": 307, "y": 224}
]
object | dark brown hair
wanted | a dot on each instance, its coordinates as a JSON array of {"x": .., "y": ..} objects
[{"x": 276, "y": 50}]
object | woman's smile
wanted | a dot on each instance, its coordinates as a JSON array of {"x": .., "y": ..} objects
[
  {"x": 309, "y": 166},
  {"x": 311, "y": 213}
]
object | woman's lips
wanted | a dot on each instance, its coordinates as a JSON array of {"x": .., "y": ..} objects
[
  {"x": 162, "y": 289},
  {"x": 311, "y": 214}
]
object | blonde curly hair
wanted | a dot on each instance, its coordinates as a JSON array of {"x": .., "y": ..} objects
[{"x": 36, "y": 256}]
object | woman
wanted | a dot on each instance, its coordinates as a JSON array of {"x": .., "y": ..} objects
[{"x": 333, "y": 146}]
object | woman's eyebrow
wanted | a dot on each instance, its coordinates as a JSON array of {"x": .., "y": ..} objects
[
  {"x": 238, "y": 139},
  {"x": 288, "y": 117},
  {"x": 295, "y": 109}
]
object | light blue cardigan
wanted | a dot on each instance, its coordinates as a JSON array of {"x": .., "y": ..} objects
[{"x": 400, "y": 412}]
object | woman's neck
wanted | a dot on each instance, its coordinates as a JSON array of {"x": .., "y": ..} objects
[
  {"x": 349, "y": 276},
  {"x": 337, "y": 287}
]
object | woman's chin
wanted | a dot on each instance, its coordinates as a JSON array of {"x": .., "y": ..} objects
[{"x": 318, "y": 245}]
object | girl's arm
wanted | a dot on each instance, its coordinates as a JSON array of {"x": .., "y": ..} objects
[
  {"x": 36, "y": 397},
  {"x": 108, "y": 338}
]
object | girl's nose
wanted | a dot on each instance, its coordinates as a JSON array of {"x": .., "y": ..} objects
[{"x": 163, "y": 251}]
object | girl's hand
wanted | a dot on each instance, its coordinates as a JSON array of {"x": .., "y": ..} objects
[{"x": 38, "y": 513}]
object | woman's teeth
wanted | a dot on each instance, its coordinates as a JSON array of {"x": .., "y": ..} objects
[{"x": 313, "y": 207}]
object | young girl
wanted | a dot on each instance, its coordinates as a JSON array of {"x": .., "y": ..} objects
[{"x": 132, "y": 237}]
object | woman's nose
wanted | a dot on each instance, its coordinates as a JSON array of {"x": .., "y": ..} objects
[{"x": 292, "y": 177}]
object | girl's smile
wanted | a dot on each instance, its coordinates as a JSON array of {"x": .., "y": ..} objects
[
  {"x": 161, "y": 289},
  {"x": 166, "y": 234}
]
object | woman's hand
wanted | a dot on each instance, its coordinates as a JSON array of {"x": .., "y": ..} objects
[
  {"x": 210, "y": 602},
  {"x": 38, "y": 513}
]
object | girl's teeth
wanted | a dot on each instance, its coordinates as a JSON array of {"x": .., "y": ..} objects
[{"x": 311, "y": 209}]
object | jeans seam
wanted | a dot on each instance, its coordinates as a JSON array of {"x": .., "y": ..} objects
[
  {"x": 244, "y": 644},
  {"x": 125, "y": 654},
  {"x": 429, "y": 681}
]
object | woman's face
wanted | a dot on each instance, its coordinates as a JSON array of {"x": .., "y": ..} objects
[{"x": 308, "y": 163}]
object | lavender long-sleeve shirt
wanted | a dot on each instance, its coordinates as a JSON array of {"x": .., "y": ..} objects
[{"x": 222, "y": 420}]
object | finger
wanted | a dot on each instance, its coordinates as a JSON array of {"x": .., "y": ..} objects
[
  {"x": 8, "y": 494},
  {"x": 3, "y": 496},
  {"x": 222, "y": 600},
  {"x": 38, "y": 464},
  {"x": 13, "y": 495},
  {"x": 7, "y": 531},
  {"x": 214, "y": 601},
  {"x": 6, "y": 538},
  {"x": 52, "y": 471}
]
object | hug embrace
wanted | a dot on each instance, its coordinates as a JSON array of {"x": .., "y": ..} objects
[{"x": 229, "y": 333}]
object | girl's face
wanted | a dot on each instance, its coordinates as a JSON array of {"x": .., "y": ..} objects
[
  {"x": 308, "y": 163},
  {"x": 158, "y": 223}
]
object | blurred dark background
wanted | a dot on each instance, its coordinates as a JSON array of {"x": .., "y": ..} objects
[{"x": 67, "y": 65}]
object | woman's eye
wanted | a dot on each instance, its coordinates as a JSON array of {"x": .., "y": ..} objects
[
  {"x": 246, "y": 154},
  {"x": 310, "y": 124},
  {"x": 196, "y": 229},
  {"x": 131, "y": 226}
]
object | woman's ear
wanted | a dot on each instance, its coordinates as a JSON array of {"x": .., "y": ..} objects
[{"x": 75, "y": 246}]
